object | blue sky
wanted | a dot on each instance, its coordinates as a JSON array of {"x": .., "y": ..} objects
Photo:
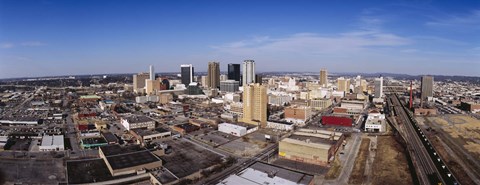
[{"x": 46, "y": 37}]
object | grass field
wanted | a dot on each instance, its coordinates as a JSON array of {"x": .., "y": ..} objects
[
  {"x": 390, "y": 164},
  {"x": 357, "y": 176}
]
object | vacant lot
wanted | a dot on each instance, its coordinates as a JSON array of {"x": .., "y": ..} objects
[
  {"x": 390, "y": 164},
  {"x": 357, "y": 176},
  {"x": 463, "y": 129},
  {"x": 335, "y": 170}
]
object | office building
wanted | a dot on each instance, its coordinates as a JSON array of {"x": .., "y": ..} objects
[
  {"x": 213, "y": 77},
  {"x": 258, "y": 79},
  {"x": 139, "y": 82},
  {"x": 379, "y": 87},
  {"x": 152, "y": 73},
  {"x": 323, "y": 78},
  {"x": 229, "y": 86},
  {"x": 187, "y": 72},
  {"x": 248, "y": 76},
  {"x": 152, "y": 86},
  {"x": 427, "y": 87},
  {"x": 298, "y": 114},
  {"x": 343, "y": 84},
  {"x": 234, "y": 72},
  {"x": 255, "y": 104}
]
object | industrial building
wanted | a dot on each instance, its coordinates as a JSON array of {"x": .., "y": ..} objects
[
  {"x": 375, "y": 122},
  {"x": 337, "y": 120},
  {"x": 298, "y": 114},
  {"x": 232, "y": 129},
  {"x": 128, "y": 160},
  {"x": 316, "y": 147},
  {"x": 144, "y": 136},
  {"x": 52, "y": 143},
  {"x": 262, "y": 173},
  {"x": 135, "y": 121}
]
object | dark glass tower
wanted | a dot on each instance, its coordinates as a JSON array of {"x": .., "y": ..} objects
[{"x": 234, "y": 72}]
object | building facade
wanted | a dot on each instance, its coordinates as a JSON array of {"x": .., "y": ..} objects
[
  {"x": 248, "y": 72},
  {"x": 187, "y": 72},
  {"x": 234, "y": 72},
  {"x": 379, "y": 87},
  {"x": 229, "y": 86},
  {"x": 213, "y": 77},
  {"x": 139, "y": 82},
  {"x": 323, "y": 78},
  {"x": 427, "y": 87},
  {"x": 255, "y": 104}
]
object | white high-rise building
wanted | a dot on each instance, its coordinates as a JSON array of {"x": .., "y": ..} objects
[
  {"x": 378, "y": 87},
  {"x": 248, "y": 72},
  {"x": 152, "y": 73}
]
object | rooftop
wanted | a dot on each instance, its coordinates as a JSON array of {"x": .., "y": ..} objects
[
  {"x": 261, "y": 173},
  {"x": 52, "y": 140}
]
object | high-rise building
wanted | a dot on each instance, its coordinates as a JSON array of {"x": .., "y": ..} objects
[
  {"x": 223, "y": 78},
  {"x": 258, "y": 79},
  {"x": 255, "y": 104},
  {"x": 378, "y": 87},
  {"x": 139, "y": 82},
  {"x": 187, "y": 74},
  {"x": 229, "y": 86},
  {"x": 248, "y": 72},
  {"x": 152, "y": 73},
  {"x": 427, "y": 87},
  {"x": 152, "y": 86},
  {"x": 234, "y": 72},
  {"x": 323, "y": 77},
  {"x": 343, "y": 84},
  {"x": 213, "y": 77}
]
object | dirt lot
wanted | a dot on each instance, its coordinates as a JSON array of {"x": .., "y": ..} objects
[
  {"x": 465, "y": 130},
  {"x": 357, "y": 176},
  {"x": 248, "y": 145},
  {"x": 390, "y": 164},
  {"x": 335, "y": 170}
]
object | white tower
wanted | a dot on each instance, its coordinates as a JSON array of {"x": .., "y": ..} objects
[
  {"x": 248, "y": 72},
  {"x": 152, "y": 74}
]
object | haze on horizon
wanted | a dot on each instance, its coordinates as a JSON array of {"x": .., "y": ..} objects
[{"x": 50, "y": 37}]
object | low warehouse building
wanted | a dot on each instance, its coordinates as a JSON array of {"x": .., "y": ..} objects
[
  {"x": 52, "y": 143},
  {"x": 128, "y": 160},
  {"x": 337, "y": 120},
  {"x": 316, "y": 147},
  {"x": 232, "y": 129}
]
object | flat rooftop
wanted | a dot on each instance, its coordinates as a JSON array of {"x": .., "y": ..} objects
[
  {"x": 261, "y": 173},
  {"x": 121, "y": 161},
  {"x": 138, "y": 119}
]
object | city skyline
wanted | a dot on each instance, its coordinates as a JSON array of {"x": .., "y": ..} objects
[{"x": 53, "y": 38}]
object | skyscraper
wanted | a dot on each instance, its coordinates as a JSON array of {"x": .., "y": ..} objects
[
  {"x": 139, "y": 82},
  {"x": 378, "y": 87},
  {"x": 248, "y": 72},
  {"x": 213, "y": 77},
  {"x": 427, "y": 87},
  {"x": 323, "y": 77},
  {"x": 255, "y": 104},
  {"x": 234, "y": 72},
  {"x": 187, "y": 74},
  {"x": 152, "y": 73},
  {"x": 343, "y": 84}
]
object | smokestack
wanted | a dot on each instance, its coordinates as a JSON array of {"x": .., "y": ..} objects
[{"x": 411, "y": 94}]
